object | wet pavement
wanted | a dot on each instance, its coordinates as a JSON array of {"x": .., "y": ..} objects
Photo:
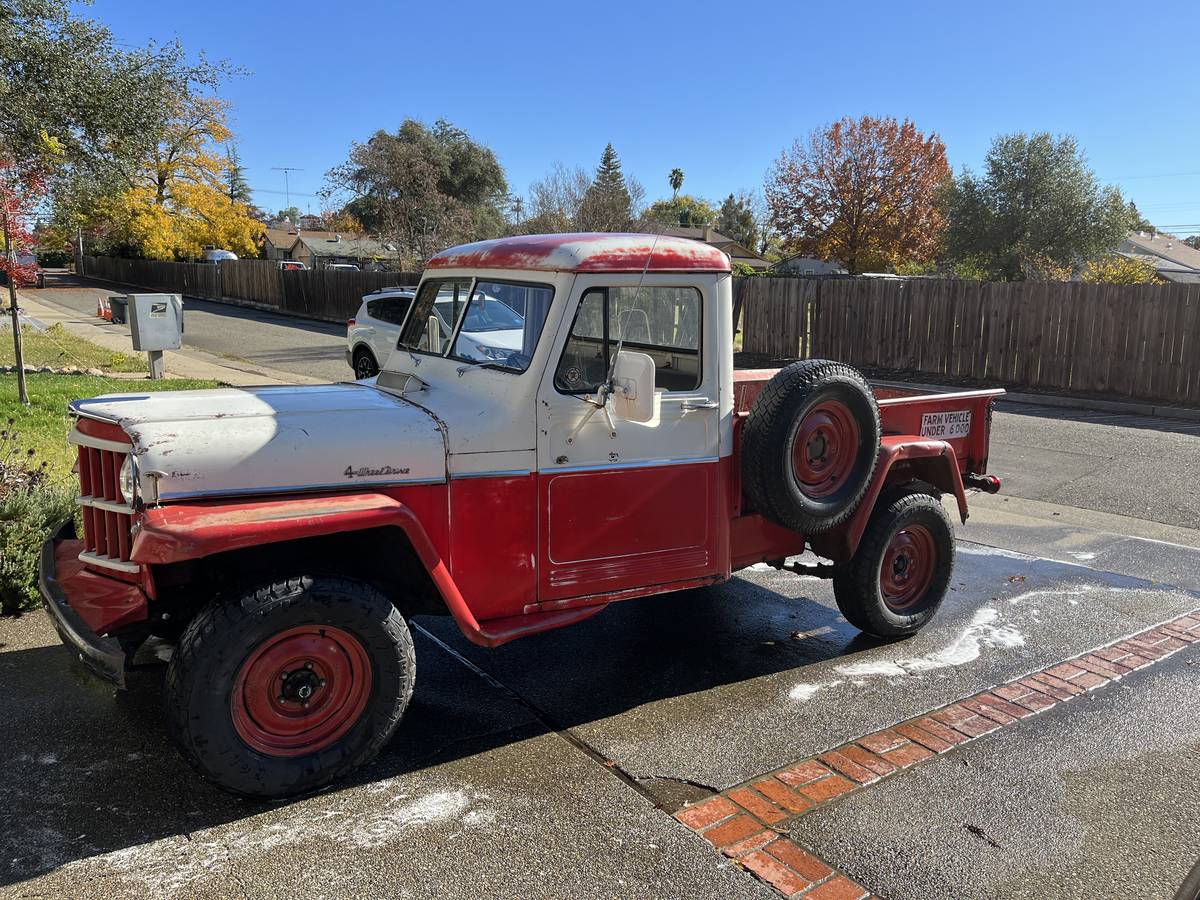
[
  {"x": 548, "y": 767},
  {"x": 1097, "y": 798}
]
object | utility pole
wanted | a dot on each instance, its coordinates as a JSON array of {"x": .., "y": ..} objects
[
  {"x": 18, "y": 348},
  {"x": 287, "y": 191}
]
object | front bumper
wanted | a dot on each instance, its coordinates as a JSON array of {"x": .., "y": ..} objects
[{"x": 102, "y": 655}]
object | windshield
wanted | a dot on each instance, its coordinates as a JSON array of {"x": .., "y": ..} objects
[{"x": 489, "y": 322}]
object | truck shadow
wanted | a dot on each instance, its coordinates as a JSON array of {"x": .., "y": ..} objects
[{"x": 89, "y": 771}]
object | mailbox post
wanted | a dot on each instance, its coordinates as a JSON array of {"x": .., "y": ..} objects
[{"x": 156, "y": 324}]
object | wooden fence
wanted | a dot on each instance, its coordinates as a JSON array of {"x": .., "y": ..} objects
[
  {"x": 1136, "y": 341},
  {"x": 331, "y": 295}
]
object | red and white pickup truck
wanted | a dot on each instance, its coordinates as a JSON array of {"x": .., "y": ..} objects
[{"x": 280, "y": 537}]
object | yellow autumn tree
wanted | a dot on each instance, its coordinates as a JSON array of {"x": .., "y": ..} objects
[
  {"x": 1113, "y": 268},
  {"x": 176, "y": 204}
]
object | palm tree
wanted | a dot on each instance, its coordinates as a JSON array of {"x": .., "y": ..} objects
[{"x": 676, "y": 179}]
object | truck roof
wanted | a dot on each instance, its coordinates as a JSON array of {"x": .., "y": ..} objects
[{"x": 603, "y": 252}]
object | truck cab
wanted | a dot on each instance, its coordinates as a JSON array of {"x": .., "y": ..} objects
[{"x": 604, "y": 449}]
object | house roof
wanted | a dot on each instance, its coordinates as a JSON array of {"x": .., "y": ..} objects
[
  {"x": 327, "y": 243},
  {"x": 586, "y": 253},
  {"x": 1171, "y": 253}
]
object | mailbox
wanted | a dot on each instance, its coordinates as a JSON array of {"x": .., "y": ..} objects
[{"x": 156, "y": 321}]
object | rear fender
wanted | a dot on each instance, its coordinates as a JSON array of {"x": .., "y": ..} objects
[
  {"x": 901, "y": 458},
  {"x": 183, "y": 531}
]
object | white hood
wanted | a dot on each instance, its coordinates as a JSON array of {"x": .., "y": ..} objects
[{"x": 260, "y": 440}]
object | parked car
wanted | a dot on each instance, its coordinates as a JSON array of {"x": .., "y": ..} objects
[
  {"x": 213, "y": 255},
  {"x": 280, "y": 538},
  {"x": 492, "y": 329},
  {"x": 27, "y": 263},
  {"x": 371, "y": 335},
  {"x": 343, "y": 267},
  {"x": 291, "y": 265}
]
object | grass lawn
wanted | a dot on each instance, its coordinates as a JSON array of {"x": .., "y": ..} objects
[
  {"x": 43, "y": 425},
  {"x": 57, "y": 347}
]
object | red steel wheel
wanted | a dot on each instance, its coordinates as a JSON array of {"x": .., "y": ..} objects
[
  {"x": 908, "y": 566},
  {"x": 301, "y": 690},
  {"x": 826, "y": 448}
]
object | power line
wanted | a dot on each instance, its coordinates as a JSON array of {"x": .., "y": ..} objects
[{"x": 286, "y": 187}]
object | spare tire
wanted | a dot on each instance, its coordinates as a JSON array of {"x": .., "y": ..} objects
[{"x": 810, "y": 445}]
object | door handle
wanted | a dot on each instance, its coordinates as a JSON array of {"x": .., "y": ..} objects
[{"x": 698, "y": 403}]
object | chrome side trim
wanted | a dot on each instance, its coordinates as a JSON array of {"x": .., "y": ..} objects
[
  {"x": 78, "y": 437},
  {"x": 926, "y": 398},
  {"x": 346, "y": 487},
  {"x": 75, "y": 409},
  {"x": 506, "y": 473},
  {"x": 106, "y": 505},
  {"x": 87, "y": 556},
  {"x": 640, "y": 464}
]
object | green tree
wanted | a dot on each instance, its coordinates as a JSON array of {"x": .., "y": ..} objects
[
  {"x": 736, "y": 219},
  {"x": 425, "y": 188},
  {"x": 1193, "y": 241},
  {"x": 1036, "y": 211},
  {"x": 236, "y": 186},
  {"x": 292, "y": 214},
  {"x": 675, "y": 178},
  {"x": 1138, "y": 222},
  {"x": 682, "y": 210},
  {"x": 67, "y": 87},
  {"x": 607, "y": 205}
]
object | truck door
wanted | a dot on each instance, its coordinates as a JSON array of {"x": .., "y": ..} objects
[{"x": 638, "y": 508}]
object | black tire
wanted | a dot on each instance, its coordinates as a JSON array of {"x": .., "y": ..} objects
[
  {"x": 365, "y": 365},
  {"x": 822, "y": 406},
  {"x": 910, "y": 532},
  {"x": 335, "y": 621}
]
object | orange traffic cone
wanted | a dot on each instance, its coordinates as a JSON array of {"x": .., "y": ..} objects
[{"x": 102, "y": 309}]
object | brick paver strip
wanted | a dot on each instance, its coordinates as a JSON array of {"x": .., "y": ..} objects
[{"x": 745, "y": 821}]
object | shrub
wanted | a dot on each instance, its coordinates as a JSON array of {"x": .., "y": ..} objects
[
  {"x": 54, "y": 259},
  {"x": 30, "y": 505}
]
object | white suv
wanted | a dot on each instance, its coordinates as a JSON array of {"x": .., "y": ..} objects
[
  {"x": 493, "y": 330},
  {"x": 371, "y": 335}
]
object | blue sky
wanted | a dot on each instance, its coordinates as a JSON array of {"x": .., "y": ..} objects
[{"x": 718, "y": 89}]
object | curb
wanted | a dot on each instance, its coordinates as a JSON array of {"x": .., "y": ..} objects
[
  {"x": 746, "y": 819},
  {"x": 1065, "y": 401}
]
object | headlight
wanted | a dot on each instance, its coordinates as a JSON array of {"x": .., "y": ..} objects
[
  {"x": 127, "y": 483},
  {"x": 492, "y": 352}
]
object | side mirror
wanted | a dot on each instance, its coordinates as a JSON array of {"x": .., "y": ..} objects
[{"x": 634, "y": 397}]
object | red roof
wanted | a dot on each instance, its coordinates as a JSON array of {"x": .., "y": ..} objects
[{"x": 586, "y": 253}]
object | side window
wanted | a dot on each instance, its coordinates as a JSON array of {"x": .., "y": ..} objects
[
  {"x": 663, "y": 322},
  {"x": 388, "y": 309}
]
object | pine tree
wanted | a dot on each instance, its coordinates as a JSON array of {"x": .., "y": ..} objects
[
  {"x": 607, "y": 205},
  {"x": 236, "y": 186},
  {"x": 736, "y": 219}
]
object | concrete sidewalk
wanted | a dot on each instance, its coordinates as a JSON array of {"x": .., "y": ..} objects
[{"x": 185, "y": 363}]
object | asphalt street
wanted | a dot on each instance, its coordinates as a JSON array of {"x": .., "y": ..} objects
[{"x": 549, "y": 767}]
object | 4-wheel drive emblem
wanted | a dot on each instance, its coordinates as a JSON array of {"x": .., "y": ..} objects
[{"x": 373, "y": 471}]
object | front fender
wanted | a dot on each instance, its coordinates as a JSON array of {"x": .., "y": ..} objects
[
  {"x": 183, "y": 531},
  {"x": 901, "y": 458}
]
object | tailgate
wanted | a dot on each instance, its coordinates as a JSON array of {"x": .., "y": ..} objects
[{"x": 962, "y": 418}]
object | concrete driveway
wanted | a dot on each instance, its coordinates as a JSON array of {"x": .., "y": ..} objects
[{"x": 614, "y": 758}]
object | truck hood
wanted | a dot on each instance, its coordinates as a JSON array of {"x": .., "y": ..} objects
[{"x": 262, "y": 440}]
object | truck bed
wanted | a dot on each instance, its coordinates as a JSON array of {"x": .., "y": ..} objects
[{"x": 961, "y": 418}]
